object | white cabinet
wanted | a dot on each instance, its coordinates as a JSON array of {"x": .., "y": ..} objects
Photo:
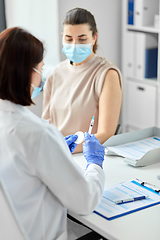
[
  {"x": 141, "y": 105},
  {"x": 140, "y": 65}
]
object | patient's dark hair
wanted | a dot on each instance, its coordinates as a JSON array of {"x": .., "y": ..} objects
[
  {"x": 78, "y": 16},
  {"x": 20, "y": 52}
]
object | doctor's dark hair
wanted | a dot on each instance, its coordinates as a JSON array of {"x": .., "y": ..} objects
[
  {"x": 20, "y": 52},
  {"x": 78, "y": 16}
]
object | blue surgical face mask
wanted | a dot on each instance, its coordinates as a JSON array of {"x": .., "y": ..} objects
[
  {"x": 77, "y": 52},
  {"x": 36, "y": 90}
]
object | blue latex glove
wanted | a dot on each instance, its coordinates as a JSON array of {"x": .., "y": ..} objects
[
  {"x": 92, "y": 149},
  {"x": 70, "y": 140}
]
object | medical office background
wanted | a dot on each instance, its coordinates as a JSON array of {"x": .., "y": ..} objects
[{"x": 141, "y": 95}]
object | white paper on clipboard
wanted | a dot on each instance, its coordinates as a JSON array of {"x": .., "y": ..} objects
[{"x": 110, "y": 210}]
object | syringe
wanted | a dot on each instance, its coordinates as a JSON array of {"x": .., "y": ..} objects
[{"x": 91, "y": 125}]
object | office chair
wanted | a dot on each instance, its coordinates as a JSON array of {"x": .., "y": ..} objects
[
  {"x": 89, "y": 236},
  {"x": 118, "y": 129},
  {"x": 9, "y": 227}
]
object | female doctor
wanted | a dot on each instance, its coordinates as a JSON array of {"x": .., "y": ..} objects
[
  {"x": 37, "y": 170},
  {"x": 83, "y": 85}
]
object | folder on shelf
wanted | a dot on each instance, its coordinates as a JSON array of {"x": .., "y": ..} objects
[
  {"x": 151, "y": 58},
  {"x": 131, "y": 12},
  {"x": 146, "y": 47},
  {"x": 144, "y": 12},
  {"x": 138, "y": 13},
  {"x": 126, "y": 146},
  {"x": 141, "y": 54},
  {"x": 133, "y": 188},
  {"x": 130, "y": 37}
]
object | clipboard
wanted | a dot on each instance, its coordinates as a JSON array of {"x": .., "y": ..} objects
[
  {"x": 109, "y": 210},
  {"x": 148, "y": 158}
]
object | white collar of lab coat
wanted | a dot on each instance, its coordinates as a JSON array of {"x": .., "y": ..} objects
[{"x": 8, "y": 106}]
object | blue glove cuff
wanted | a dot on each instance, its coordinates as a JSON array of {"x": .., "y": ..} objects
[{"x": 95, "y": 160}]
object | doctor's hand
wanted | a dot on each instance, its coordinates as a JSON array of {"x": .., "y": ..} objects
[
  {"x": 70, "y": 140},
  {"x": 93, "y": 151}
]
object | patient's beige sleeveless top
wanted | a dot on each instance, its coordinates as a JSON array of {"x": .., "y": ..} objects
[{"x": 71, "y": 94}]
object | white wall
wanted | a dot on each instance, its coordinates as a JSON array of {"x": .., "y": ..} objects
[
  {"x": 107, "y": 14},
  {"x": 41, "y": 19},
  {"x": 38, "y": 107}
]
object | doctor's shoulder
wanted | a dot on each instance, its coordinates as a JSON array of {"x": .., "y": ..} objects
[{"x": 38, "y": 127}]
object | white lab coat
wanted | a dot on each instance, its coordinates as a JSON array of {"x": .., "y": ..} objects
[{"x": 40, "y": 176}]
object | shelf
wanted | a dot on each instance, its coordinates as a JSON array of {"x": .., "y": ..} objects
[
  {"x": 143, "y": 29},
  {"x": 140, "y": 108},
  {"x": 153, "y": 82}
]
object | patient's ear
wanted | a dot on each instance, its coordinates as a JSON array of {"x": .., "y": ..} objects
[{"x": 95, "y": 38}]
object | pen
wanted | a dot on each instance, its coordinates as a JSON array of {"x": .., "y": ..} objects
[
  {"x": 131, "y": 199},
  {"x": 91, "y": 125}
]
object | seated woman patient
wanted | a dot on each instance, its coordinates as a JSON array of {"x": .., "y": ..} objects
[
  {"x": 37, "y": 170},
  {"x": 83, "y": 85}
]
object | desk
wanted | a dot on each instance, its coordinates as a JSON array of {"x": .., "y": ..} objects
[{"x": 141, "y": 225}]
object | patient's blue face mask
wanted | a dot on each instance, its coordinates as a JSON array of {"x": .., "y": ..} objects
[
  {"x": 36, "y": 90},
  {"x": 77, "y": 52}
]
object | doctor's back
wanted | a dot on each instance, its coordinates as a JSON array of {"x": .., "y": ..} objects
[{"x": 23, "y": 162}]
